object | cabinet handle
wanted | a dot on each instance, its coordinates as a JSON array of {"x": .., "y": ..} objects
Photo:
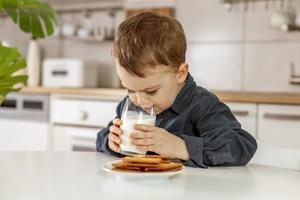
[
  {"x": 281, "y": 116},
  {"x": 240, "y": 113},
  {"x": 83, "y": 115}
]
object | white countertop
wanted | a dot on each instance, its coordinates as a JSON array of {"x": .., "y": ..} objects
[{"x": 64, "y": 175}]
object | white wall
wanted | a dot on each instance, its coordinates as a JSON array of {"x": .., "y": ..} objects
[
  {"x": 237, "y": 50},
  {"x": 233, "y": 50}
]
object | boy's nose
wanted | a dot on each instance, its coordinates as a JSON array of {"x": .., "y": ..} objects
[{"x": 143, "y": 101}]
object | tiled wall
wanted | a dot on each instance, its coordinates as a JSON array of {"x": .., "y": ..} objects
[
  {"x": 238, "y": 50},
  {"x": 233, "y": 50}
]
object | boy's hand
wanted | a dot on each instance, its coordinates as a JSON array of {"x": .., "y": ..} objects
[
  {"x": 158, "y": 140},
  {"x": 114, "y": 139}
]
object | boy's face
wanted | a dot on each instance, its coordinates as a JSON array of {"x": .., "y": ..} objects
[{"x": 158, "y": 88}]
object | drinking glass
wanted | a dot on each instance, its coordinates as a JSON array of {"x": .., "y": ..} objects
[{"x": 132, "y": 115}]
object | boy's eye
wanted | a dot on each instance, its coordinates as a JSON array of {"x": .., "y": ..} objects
[
  {"x": 130, "y": 91},
  {"x": 151, "y": 92}
]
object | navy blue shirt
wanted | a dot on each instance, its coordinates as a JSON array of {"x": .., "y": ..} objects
[{"x": 212, "y": 134}]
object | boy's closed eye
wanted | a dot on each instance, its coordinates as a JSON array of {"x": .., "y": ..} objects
[
  {"x": 151, "y": 92},
  {"x": 130, "y": 91}
]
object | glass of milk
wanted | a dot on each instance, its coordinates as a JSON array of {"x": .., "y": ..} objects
[{"x": 132, "y": 115}]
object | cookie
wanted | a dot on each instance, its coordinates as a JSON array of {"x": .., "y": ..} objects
[
  {"x": 143, "y": 160},
  {"x": 146, "y": 163}
]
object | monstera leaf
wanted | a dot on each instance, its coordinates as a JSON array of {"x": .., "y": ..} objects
[
  {"x": 10, "y": 62},
  {"x": 32, "y": 16}
]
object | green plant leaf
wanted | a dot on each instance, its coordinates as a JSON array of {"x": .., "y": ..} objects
[
  {"x": 6, "y": 71},
  {"x": 32, "y": 16},
  {"x": 10, "y": 62}
]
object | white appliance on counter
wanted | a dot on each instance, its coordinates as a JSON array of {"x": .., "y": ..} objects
[
  {"x": 69, "y": 72},
  {"x": 76, "y": 122},
  {"x": 24, "y": 123}
]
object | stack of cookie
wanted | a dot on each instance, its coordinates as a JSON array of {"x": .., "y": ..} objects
[{"x": 146, "y": 163}]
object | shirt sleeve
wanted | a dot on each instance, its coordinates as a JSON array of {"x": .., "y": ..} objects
[
  {"x": 221, "y": 140},
  {"x": 102, "y": 136}
]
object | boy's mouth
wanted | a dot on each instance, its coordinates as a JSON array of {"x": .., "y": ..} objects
[{"x": 148, "y": 110}]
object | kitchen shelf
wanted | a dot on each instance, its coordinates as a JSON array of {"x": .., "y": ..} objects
[
  {"x": 247, "y": 1},
  {"x": 86, "y": 40},
  {"x": 90, "y": 6}
]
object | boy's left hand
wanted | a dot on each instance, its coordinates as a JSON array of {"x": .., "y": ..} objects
[{"x": 158, "y": 140}]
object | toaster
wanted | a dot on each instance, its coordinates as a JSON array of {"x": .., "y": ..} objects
[{"x": 69, "y": 72}]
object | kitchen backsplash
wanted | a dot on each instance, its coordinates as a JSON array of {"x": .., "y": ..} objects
[
  {"x": 238, "y": 50},
  {"x": 232, "y": 50}
]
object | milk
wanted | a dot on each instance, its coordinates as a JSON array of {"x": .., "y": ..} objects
[{"x": 128, "y": 127}]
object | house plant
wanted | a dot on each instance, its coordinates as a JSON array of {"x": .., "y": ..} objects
[{"x": 32, "y": 16}]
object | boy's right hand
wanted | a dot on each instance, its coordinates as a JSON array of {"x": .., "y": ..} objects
[{"x": 114, "y": 139}]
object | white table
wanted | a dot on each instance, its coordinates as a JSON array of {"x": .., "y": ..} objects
[{"x": 63, "y": 176}]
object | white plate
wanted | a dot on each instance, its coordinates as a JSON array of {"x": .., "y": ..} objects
[{"x": 138, "y": 175}]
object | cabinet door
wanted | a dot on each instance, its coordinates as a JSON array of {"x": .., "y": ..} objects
[
  {"x": 67, "y": 138},
  {"x": 22, "y": 135},
  {"x": 93, "y": 113},
  {"x": 279, "y": 136},
  {"x": 245, "y": 113}
]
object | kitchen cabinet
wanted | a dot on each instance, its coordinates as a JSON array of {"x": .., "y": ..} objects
[
  {"x": 209, "y": 63},
  {"x": 246, "y": 114},
  {"x": 279, "y": 136},
  {"x": 76, "y": 122},
  {"x": 268, "y": 67},
  {"x": 23, "y": 135},
  {"x": 69, "y": 138},
  {"x": 96, "y": 113},
  {"x": 24, "y": 123},
  {"x": 203, "y": 25}
]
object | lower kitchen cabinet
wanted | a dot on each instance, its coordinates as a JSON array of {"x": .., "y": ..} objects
[
  {"x": 24, "y": 123},
  {"x": 279, "y": 136},
  {"x": 76, "y": 122},
  {"x": 23, "y": 135},
  {"x": 246, "y": 114},
  {"x": 68, "y": 138}
]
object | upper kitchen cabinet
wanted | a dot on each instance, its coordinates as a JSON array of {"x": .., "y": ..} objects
[
  {"x": 268, "y": 67},
  {"x": 261, "y": 15},
  {"x": 216, "y": 66},
  {"x": 209, "y": 21}
]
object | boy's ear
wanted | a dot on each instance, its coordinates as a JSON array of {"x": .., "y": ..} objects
[{"x": 182, "y": 72}]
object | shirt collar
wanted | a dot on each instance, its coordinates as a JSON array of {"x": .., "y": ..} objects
[{"x": 184, "y": 96}]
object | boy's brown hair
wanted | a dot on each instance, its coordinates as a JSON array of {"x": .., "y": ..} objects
[{"x": 148, "y": 40}]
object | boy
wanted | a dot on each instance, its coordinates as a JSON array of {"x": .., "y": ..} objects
[{"x": 192, "y": 124}]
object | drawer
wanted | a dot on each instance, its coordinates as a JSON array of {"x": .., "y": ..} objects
[
  {"x": 279, "y": 125},
  {"x": 246, "y": 114},
  {"x": 68, "y": 138},
  {"x": 96, "y": 113},
  {"x": 279, "y": 136}
]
